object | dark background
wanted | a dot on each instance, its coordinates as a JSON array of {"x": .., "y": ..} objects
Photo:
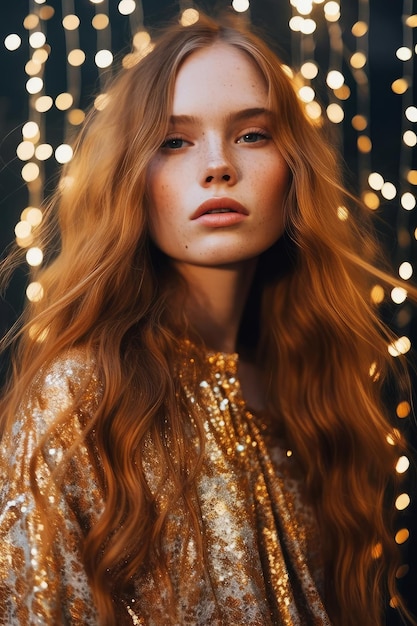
[{"x": 385, "y": 109}]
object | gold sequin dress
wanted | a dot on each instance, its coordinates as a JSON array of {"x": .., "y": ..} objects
[{"x": 259, "y": 535}]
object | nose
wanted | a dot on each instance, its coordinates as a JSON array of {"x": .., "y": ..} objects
[{"x": 218, "y": 166}]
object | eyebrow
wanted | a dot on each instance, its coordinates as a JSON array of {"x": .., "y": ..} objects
[{"x": 236, "y": 116}]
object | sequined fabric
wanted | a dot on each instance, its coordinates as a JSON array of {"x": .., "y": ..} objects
[{"x": 263, "y": 560}]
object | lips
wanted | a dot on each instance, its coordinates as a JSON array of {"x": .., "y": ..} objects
[{"x": 219, "y": 206}]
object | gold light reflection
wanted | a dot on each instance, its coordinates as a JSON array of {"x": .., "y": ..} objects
[
  {"x": 403, "y": 409},
  {"x": 399, "y": 86},
  {"x": 402, "y": 501},
  {"x": 370, "y": 200},
  {"x": 377, "y": 294},
  {"x": 400, "y": 346},
  {"x": 359, "y": 29},
  {"x": 71, "y": 22},
  {"x": 402, "y": 535},
  {"x": 100, "y": 21},
  {"x": 403, "y": 464}
]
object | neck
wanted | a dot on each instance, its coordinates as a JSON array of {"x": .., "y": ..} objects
[{"x": 216, "y": 299}]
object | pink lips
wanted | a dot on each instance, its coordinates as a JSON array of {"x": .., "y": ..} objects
[{"x": 235, "y": 214}]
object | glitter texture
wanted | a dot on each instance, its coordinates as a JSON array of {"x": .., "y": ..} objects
[{"x": 261, "y": 540}]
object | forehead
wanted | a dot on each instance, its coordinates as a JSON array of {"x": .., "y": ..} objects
[{"x": 219, "y": 75}]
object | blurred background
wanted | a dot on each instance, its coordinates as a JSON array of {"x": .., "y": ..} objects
[{"x": 354, "y": 63}]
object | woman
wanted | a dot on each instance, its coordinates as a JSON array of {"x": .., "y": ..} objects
[{"x": 153, "y": 476}]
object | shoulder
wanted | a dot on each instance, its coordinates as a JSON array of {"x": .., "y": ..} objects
[
  {"x": 70, "y": 377},
  {"x": 64, "y": 392}
]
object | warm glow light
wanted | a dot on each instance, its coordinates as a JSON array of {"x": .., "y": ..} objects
[
  {"x": 12, "y": 42},
  {"x": 335, "y": 113},
  {"x": 37, "y": 39},
  {"x": 332, "y": 11},
  {"x": 408, "y": 201},
  {"x": 371, "y": 200},
  {"x": 25, "y": 150},
  {"x": 76, "y": 117},
  {"x": 43, "y": 104},
  {"x": 388, "y": 191},
  {"x": 364, "y": 144},
  {"x": 404, "y": 54},
  {"x": 399, "y": 86},
  {"x": 34, "y": 85},
  {"x": 335, "y": 79},
  {"x": 400, "y": 346},
  {"x": 33, "y": 215},
  {"x": 342, "y": 213},
  {"x": 103, "y": 58},
  {"x": 101, "y": 101},
  {"x": 377, "y": 294},
  {"x": 411, "y": 21},
  {"x": 410, "y": 138},
  {"x": 34, "y": 292},
  {"x": 34, "y": 257},
  {"x": 398, "y": 295},
  {"x": 40, "y": 55},
  {"x": 308, "y": 26},
  {"x": 403, "y": 409},
  {"x": 76, "y": 57},
  {"x": 64, "y": 101},
  {"x": 359, "y": 29},
  {"x": 412, "y": 177},
  {"x": 22, "y": 229},
  {"x": 304, "y": 7},
  {"x": 32, "y": 68},
  {"x": 189, "y": 17},
  {"x": 100, "y": 21},
  {"x": 358, "y": 60},
  {"x": 31, "y": 21},
  {"x": 375, "y": 181},
  {"x": 296, "y": 23},
  {"x": 405, "y": 270},
  {"x": 30, "y": 172},
  {"x": 71, "y": 22},
  {"x": 141, "y": 40},
  {"x": 313, "y": 110},
  {"x": 403, "y": 464},
  {"x": 411, "y": 113},
  {"x": 240, "y": 6},
  {"x": 343, "y": 92},
  {"x": 126, "y": 7},
  {"x": 402, "y": 535},
  {"x": 309, "y": 70},
  {"x": 46, "y": 13},
  {"x": 402, "y": 501},
  {"x": 63, "y": 153},
  {"x": 306, "y": 93},
  {"x": 44, "y": 151}
]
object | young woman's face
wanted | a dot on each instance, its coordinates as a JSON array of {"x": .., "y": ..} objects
[{"x": 218, "y": 183}]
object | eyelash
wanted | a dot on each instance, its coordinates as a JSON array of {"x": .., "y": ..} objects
[
  {"x": 258, "y": 133},
  {"x": 166, "y": 144},
  {"x": 170, "y": 140}
]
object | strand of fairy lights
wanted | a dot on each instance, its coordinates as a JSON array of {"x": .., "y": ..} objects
[
  {"x": 339, "y": 91},
  {"x": 359, "y": 63}
]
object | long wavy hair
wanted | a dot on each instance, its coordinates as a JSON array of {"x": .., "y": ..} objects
[{"x": 317, "y": 335}]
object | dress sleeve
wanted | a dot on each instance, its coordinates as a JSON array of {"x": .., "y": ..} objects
[{"x": 39, "y": 587}]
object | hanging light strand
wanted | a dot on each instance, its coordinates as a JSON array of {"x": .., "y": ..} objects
[{"x": 359, "y": 63}]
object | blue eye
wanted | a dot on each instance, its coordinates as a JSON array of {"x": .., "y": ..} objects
[{"x": 174, "y": 143}]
